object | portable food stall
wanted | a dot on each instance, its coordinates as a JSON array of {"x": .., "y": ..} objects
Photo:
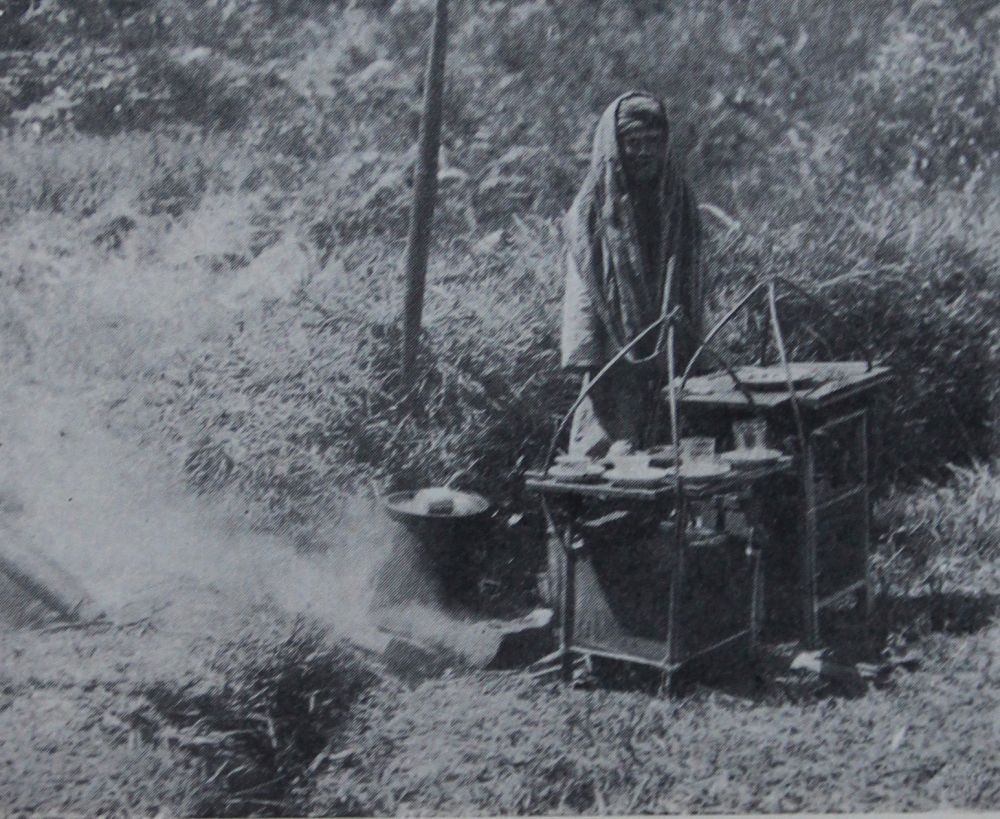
[{"x": 646, "y": 566}]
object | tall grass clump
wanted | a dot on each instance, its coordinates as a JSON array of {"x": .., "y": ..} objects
[
  {"x": 241, "y": 727},
  {"x": 898, "y": 275},
  {"x": 942, "y": 541},
  {"x": 331, "y": 412}
]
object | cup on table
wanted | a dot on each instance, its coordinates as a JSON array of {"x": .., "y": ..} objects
[{"x": 750, "y": 434}]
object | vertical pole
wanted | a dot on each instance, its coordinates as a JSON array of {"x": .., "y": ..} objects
[
  {"x": 677, "y": 567},
  {"x": 866, "y": 516},
  {"x": 424, "y": 187},
  {"x": 756, "y": 594},
  {"x": 676, "y": 620},
  {"x": 567, "y": 587},
  {"x": 568, "y": 608},
  {"x": 810, "y": 543}
]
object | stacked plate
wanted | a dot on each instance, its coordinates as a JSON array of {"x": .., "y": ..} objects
[
  {"x": 576, "y": 472},
  {"x": 706, "y": 469},
  {"x": 638, "y": 476},
  {"x": 662, "y": 456},
  {"x": 749, "y": 458}
]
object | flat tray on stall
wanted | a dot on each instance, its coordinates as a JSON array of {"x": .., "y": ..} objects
[
  {"x": 775, "y": 377},
  {"x": 833, "y": 381},
  {"x": 641, "y": 477},
  {"x": 745, "y": 458}
]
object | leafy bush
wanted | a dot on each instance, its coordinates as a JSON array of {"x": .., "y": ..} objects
[
  {"x": 929, "y": 102},
  {"x": 942, "y": 540},
  {"x": 899, "y": 279},
  {"x": 334, "y": 413},
  {"x": 295, "y": 399}
]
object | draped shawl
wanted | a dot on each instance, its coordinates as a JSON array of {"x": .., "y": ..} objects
[{"x": 613, "y": 290}]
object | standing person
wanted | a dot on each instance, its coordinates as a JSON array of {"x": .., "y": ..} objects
[{"x": 632, "y": 250}]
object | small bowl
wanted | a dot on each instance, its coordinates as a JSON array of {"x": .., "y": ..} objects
[
  {"x": 628, "y": 463},
  {"x": 575, "y": 461}
]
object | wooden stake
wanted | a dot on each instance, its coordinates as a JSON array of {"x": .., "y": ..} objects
[{"x": 424, "y": 187}]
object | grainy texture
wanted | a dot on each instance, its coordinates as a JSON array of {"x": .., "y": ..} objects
[{"x": 202, "y": 214}]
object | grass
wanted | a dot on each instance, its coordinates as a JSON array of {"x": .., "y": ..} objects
[
  {"x": 508, "y": 746},
  {"x": 226, "y": 723},
  {"x": 945, "y": 537}
]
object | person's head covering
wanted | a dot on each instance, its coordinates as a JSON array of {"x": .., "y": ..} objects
[
  {"x": 627, "y": 286},
  {"x": 639, "y": 112}
]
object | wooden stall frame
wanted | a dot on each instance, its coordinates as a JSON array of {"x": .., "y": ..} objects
[
  {"x": 810, "y": 536},
  {"x": 675, "y": 658}
]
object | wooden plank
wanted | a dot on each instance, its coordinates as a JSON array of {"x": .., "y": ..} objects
[
  {"x": 839, "y": 380},
  {"x": 596, "y": 491},
  {"x": 45, "y": 581},
  {"x": 842, "y": 390},
  {"x": 599, "y": 650},
  {"x": 664, "y": 664}
]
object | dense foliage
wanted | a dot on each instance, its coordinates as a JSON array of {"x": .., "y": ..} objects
[{"x": 246, "y": 163}]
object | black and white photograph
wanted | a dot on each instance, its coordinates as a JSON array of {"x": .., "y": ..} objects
[{"x": 499, "y": 407}]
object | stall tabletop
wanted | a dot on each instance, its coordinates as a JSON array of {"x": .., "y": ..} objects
[
  {"x": 733, "y": 481},
  {"x": 834, "y": 381}
]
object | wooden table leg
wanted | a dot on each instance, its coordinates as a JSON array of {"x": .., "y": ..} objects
[
  {"x": 568, "y": 603},
  {"x": 756, "y": 597},
  {"x": 808, "y": 548},
  {"x": 677, "y": 583},
  {"x": 866, "y": 522}
]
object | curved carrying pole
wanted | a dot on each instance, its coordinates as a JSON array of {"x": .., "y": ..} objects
[
  {"x": 704, "y": 347},
  {"x": 722, "y": 322},
  {"x": 668, "y": 317},
  {"x": 812, "y": 331},
  {"x": 816, "y": 302},
  {"x": 779, "y": 343},
  {"x": 769, "y": 286}
]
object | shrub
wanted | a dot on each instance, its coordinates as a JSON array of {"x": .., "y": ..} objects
[
  {"x": 333, "y": 413},
  {"x": 266, "y": 706},
  {"x": 943, "y": 538},
  {"x": 899, "y": 276}
]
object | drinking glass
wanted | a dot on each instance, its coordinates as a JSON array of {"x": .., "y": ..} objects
[{"x": 750, "y": 434}]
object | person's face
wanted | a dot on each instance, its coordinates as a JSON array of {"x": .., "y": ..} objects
[{"x": 643, "y": 153}]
